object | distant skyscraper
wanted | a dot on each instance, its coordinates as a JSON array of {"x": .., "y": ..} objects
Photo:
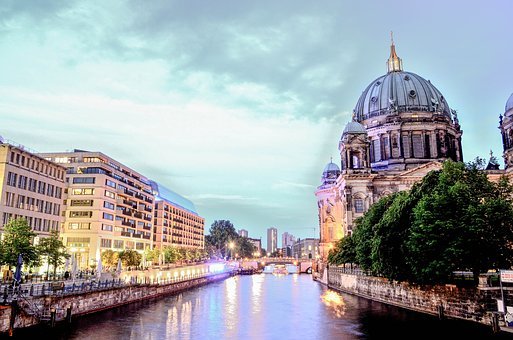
[
  {"x": 287, "y": 240},
  {"x": 272, "y": 240},
  {"x": 243, "y": 233}
]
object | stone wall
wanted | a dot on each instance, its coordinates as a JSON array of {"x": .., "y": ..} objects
[
  {"x": 96, "y": 301},
  {"x": 473, "y": 304}
]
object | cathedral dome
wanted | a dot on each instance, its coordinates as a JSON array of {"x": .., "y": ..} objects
[
  {"x": 354, "y": 127},
  {"x": 399, "y": 91},
  {"x": 330, "y": 167},
  {"x": 509, "y": 103}
]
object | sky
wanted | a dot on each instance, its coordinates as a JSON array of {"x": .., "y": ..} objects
[{"x": 239, "y": 105}]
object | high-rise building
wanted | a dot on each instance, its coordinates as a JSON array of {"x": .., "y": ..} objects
[
  {"x": 272, "y": 240},
  {"x": 287, "y": 240},
  {"x": 30, "y": 187},
  {"x": 243, "y": 233},
  {"x": 176, "y": 222},
  {"x": 108, "y": 205}
]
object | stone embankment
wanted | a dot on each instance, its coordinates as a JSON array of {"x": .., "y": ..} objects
[
  {"x": 34, "y": 310},
  {"x": 474, "y": 304}
]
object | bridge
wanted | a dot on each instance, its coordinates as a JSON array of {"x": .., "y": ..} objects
[{"x": 305, "y": 265}]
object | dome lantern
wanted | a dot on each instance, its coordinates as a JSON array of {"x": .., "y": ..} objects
[{"x": 394, "y": 63}]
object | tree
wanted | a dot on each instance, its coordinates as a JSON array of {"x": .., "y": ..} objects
[
  {"x": 171, "y": 254},
  {"x": 221, "y": 232},
  {"x": 110, "y": 258},
  {"x": 343, "y": 252},
  {"x": 465, "y": 224},
  {"x": 364, "y": 232},
  {"x": 152, "y": 255},
  {"x": 18, "y": 239},
  {"x": 130, "y": 258},
  {"x": 244, "y": 247},
  {"x": 53, "y": 250}
]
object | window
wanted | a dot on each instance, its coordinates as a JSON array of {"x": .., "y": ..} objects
[
  {"x": 11, "y": 179},
  {"x": 139, "y": 246},
  {"x": 109, "y": 217},
  {"x": 58, "y": 192},
  {"x": 80, "y": 180},
  {"x": 108, "y": 205},
  {"x": 418, "y": 148},
  {"x": 106, "y": 227},
  {"x": 110, "y": 183},
  {"x": 106, "y": 243},
  {"x": 9, "y": 199},
  {"x": 78, "y": 242},
  {"x": 358, "y": 205},
  {"x": 118, "y": 244},
  {"x": 110, "y": 194},
  {"x": 79, "y": 225},
  {"x": 50, "y": 190},
  {"x": 41, "y": 188},
  {"x": 32, "y": 184},
  {"x": 22, "y": 183},
  {"x": 83, "y": 191},
  {"x": 92, "y": 160},
  {"x": 81, "y": 203},
  {"x": 77, "y": 214},
  {"x": 21, "y": 202}
]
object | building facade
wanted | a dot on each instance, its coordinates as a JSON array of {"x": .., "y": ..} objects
[
  {"x": 272, "y": 240},
  {"x": 307, "y": 248},
  {"x": 108, "y": 205},
  {"x": 30, "y": 187},
  {"x": 176, "y": 222},
  {"x": 243, "y": 233},
  {"x": 257, "y": 243},
  {"x": 402, "y": 128},
  {"x": 287, "y": 240}
]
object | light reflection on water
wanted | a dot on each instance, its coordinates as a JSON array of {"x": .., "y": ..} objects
[{"x": 260, "y": 307}]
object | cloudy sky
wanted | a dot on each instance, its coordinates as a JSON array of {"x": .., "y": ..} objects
[{"x": 238, "y": 105}]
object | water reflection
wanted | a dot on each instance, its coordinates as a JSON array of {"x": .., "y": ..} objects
[
  {"x": 260, "y": 307},
  {"x": 335, "y": 302}
]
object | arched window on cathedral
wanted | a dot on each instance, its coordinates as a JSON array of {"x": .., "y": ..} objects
[{"x": 358, "y": 205}]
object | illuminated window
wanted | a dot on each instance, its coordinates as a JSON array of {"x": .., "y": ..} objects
[{"x": 83, "y": 191}]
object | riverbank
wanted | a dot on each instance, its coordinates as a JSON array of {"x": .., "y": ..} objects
[
  {"x": 477, "y": 304},
  {"x": 57, "y": 308}
]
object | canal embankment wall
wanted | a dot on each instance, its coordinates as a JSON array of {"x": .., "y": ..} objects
[
  {"x": 473, "y": 304},
  {"x": 94, "y": 301}
]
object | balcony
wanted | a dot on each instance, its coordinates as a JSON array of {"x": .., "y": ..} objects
[
  {"x": 139, "y": 196},
  {"x": 149, "y": 200},
  {"x": 148, "y": 209},
  {"x": 138, "y": 214},
  {"x": 128, "y": 224},
  {"x": 126, "y": 212},
  {"x": 147, "y": 227},
  {"x": 147, "y": 218},
  {"x": 136, "y": 235},
  {"x": 126, "y": 234},
  {"x": 147, "y": 237}
]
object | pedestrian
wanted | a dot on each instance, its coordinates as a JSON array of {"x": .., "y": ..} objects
[{"x": 66, "y": 275}]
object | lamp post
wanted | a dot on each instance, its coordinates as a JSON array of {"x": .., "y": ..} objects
[{"x": 231, "y": 245}]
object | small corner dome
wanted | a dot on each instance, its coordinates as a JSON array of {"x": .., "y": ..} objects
[
  {"x": 354, "y": 127},
  {"x": 509, "y": 103},
  {"x": 331, "y": 167}
]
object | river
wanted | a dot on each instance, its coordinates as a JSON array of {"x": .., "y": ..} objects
[{"x": 260, "y": 307}]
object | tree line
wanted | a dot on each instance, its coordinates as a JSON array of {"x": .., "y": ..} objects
[
  {"x": 223, "y": 241},
  {"x": 455, "y": 219}
]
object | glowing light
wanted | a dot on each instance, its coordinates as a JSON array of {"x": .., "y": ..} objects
[{"x": 216, "y": 267}]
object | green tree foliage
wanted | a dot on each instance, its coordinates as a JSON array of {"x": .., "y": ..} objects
[
  {"x": 171, "y": 254},
  {"x": 221, "y": 233},
  {"x": 244, "y": 247},
  {"x": 130, "y": 258},
  {"x": 110, "y": 258},
  {"x": 343, "y": 252},
  {"x": 455, "y": 219},
  {"x": 18, "y": 239},
  {"x": 465, "y": 223},
  {"x": 53, "y": 250},
  {"x": 364, "y": 232}
]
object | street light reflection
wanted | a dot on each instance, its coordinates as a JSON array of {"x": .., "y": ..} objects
[{"x": 335, "y": 302}]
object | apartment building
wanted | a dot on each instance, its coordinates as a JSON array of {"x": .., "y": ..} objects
[
  {"x": 30, "y": 187},
  {"x": 176, "y": 221},
  {"x": 108, "y": 205},
  {"x": 307, "y": 248}
]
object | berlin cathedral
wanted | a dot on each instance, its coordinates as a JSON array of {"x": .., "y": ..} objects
[{"x": 402, "y": 128}]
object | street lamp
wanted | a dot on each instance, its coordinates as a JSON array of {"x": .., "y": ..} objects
[{"x": 231, "y": 245}]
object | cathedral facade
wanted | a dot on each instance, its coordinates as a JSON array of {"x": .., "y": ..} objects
[{"x": 402, "y": 128}]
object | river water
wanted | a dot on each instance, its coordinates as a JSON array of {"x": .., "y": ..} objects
[{"x": 260, "y": 307}]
